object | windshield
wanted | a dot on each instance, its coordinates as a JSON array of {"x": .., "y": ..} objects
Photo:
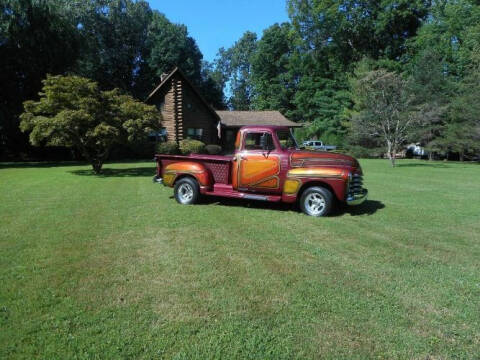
[{"x": 286, "y": 139}]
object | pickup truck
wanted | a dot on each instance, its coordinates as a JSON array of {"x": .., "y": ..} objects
[
  {"x": 266, "y": 165},
  {"x": 318, "y": 145}
]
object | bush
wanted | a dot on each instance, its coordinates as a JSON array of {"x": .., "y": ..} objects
[
  {"x": 189, "y": 146},
  {"x": 168, "y": 148},
  {"x": 213, "y": 149}
]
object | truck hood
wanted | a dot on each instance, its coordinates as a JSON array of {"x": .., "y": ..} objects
[{"x": 302, "y": 158}]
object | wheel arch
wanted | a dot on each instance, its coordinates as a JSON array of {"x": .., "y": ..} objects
[
  {"x": 183, "y": 176},
  {"x": 195, "y": 170},
  {"x": 313, "y": 183}
]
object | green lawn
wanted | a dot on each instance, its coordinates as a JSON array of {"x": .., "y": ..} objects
[{"x": 112, "y": 267}]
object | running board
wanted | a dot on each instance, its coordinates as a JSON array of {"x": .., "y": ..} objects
[{"x": 225, "y": 192}]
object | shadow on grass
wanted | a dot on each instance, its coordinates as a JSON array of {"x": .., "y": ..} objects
[
  {"x": 427, "y": 165},
  {"x": 106, "y": 173},
  {"x": 369, "y": 207},
  {"x": 439, "y": 165},
  {"x": 252, "y": 204},
  {"x": 49, "y": 164}
]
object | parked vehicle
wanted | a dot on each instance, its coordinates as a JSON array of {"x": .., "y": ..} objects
[
  {"x": 267, "y": 165},
  {"x": 318, "y": 145}
]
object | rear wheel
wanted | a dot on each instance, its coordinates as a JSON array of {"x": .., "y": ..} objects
[
  {"x": 186, "y": 191},
  {"x": 316, "y": 201}
]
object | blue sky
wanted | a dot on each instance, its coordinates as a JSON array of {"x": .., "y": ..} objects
[{"x": 217, "y": 23}]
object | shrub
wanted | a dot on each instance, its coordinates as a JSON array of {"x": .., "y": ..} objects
[
  {"x": 213, "y": 149},
  {"x": 169, "y": 148},
  {"x": 189, "y": 146}
]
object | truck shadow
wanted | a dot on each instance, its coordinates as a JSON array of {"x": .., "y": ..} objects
[
  {"x": 251, "y": 204},
  {"x": 369, "y": 207}
]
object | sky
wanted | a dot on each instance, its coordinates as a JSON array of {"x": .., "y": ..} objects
[{"x": 217, "y": 23}]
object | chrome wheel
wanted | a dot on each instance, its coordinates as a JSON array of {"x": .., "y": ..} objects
[
  {"x": 185, "y": 193},
  {"x": 315, "y": 204}
]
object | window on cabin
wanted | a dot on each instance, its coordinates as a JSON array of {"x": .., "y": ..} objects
[
  {"x": 195, "y": 133},
  {"x": 161, "y": 105}
]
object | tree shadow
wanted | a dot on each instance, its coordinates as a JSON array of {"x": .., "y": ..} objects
[
  {"x": 47, "y": 164},
  {"x": 128, "y": 172},
  {"x": 432, "y": 165}
]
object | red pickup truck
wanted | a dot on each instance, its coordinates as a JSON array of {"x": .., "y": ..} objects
[{"x": 267, "y": 165}]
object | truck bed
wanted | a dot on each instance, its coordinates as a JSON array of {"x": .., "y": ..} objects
[{"x": 219, "y": 165}]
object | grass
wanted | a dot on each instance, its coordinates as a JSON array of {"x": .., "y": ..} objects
[{"x": 112, "y": 267}]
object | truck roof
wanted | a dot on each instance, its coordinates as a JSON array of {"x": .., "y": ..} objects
[{"x": 265, "y": 127}]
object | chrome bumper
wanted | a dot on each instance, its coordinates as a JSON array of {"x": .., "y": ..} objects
[{"x": 358, "y": 198}]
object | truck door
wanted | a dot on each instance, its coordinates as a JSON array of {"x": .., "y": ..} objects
[{"x": 258, "y": 164}]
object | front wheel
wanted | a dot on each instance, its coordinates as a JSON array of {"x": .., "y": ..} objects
[
  {"x": 186, "y": 191},
  {"x": 316, "y": 201}
]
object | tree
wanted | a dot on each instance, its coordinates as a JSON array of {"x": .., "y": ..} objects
[
  {"x": 272, "y": 76},
  {"x": 36, "y": 38},
  {"x": 461, "y": 133},
  {"x": 349, "y": 30},
  {"x": 114, "y": 42},
  {"x": 236, "y": 67},
  {"x": 384, "y": 103},
  {"x": 170, "y": 46},
  {"x": 433, "y": 91},
  {"x": 74, "y": 112}
]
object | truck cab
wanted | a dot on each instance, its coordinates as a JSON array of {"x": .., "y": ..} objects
[{"x": 266, "y": 165}]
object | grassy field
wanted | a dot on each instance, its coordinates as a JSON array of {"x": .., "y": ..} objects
[{"x": 112, "y": 267}]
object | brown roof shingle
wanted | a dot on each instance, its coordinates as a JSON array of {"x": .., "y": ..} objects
[{"x": 242, "y": 118}]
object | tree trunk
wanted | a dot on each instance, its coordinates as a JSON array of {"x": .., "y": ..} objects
[
  {"x": 97, "y": 166},
  {"x": 461, "y": 155},
  {"x": 430, "y": 156},
  {"x": 391, "y": 151}
]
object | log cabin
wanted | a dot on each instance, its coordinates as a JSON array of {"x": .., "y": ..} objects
[{"x": 186, "y": 113}]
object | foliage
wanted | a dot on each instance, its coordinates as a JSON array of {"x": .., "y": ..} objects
[
  {"x": 384, "y": 109},
  {"x": 74, "y": 112},
  {"x": 235, "y": 66},
  {"x": 167, "y": 147},
  {"x": 349, "y": 30},
  {"x": 36, "y": 38},
  {"x": 190, "y": 146},
  {"x": 213, "y": 149},
  {"x": 272, "y": 75}
]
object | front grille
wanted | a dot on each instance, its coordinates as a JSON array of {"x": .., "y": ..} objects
[{"x": 355, "y": 186}]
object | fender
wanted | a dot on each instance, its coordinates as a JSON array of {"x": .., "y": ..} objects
[
  {"x": 174, "y": 170},
  {"x": 336, "y": 178}
]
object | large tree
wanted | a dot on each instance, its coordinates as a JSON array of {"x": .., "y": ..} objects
[
  {"x": 36, "y": 38},
  {"x": 273, "y": 76},
  {"x": 235, "y": 64},
  {"x": 74, "y": 112},
  {"x": 384, "y": 105},
  {"x": 114, "y": 35},
  {"x": 350, "y": 29}
]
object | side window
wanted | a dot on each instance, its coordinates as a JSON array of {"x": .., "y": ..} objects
[
  {"x": 194, "y": 133},
  {"x": 256, "y": 141}
]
